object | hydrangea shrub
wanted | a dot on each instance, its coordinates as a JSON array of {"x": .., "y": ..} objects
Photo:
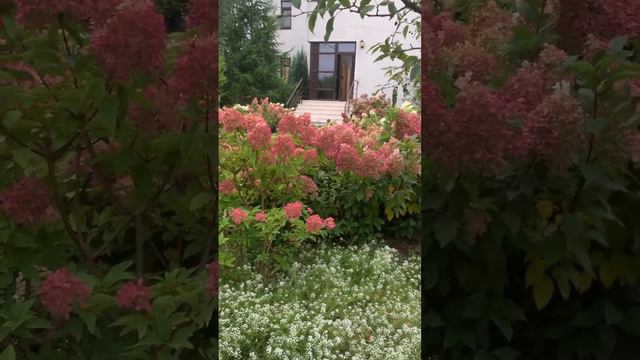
[
  {"x": 285, "y": 185},
  {"x": 107, "y": 191},
  {"x": 531, "y": 179}
]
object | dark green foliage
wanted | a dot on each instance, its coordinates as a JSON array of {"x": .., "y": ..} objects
[
  {"x": 300, "y": 70},
  {"x": 248, "y": 43}
]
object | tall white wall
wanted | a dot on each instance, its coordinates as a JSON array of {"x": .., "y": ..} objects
[{"x": 347, "y": 27}]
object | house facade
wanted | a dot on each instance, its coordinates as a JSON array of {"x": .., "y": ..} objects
[{"x": 345, "y": 60}]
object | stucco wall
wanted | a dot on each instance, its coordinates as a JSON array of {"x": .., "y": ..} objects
[{"x": 347, "y": 27}]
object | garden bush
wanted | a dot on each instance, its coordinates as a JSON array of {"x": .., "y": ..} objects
[
  {"x": 531, "y": 179},
  {"x": 355, "y": 302},
  {"x": 107, "y": 188},
  {"x": 302, "y": 183}
]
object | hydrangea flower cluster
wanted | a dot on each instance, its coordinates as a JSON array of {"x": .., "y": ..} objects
[
  {"x": 131, "y": 41},
  {"x": 203, "y": 15},
  {"x": 350, "y": 147},
  {"x": 532, "y": 117},
  {"x": 36, "y": 14},
  {"x": 238, "y": 216},
  {"x": 135, "y": 296},
  {"x": 60, "y": 291},
  {"x": 28, "y": 202},
  {"x": 194, "y": 75}
]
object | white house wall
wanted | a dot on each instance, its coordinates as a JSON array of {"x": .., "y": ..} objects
[{"x": 347, "y": 27}]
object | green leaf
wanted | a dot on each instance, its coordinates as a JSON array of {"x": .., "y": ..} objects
[
  {"x": 445, "y": 229},
  {"x": 329, "y": 29},
  {"x": 392, "y": 8},
  {"x": 89, "y": 320},
  {"x": 506, "y": 353},
  {"x": 296, "y": 3},
  {"x": 612, "y": 314},
  {"x": 199, "y": 201},
  {"x": 345, "y": 3},
  {"x": 8, "y": 354},
  {"x": 505, "y": 327},
  {"x": 117, "y": 273},
  {"x": 511, "y": 310},
  {"x": 542, "y": 291},
  {"x": 595, "y": 126},
  {"x": 617, "y": 44},
  {"x": 433, "y": 319},
  {"x": 9, "y": 26},
  {"x": 534, "y": 272},
  {"x": 107, "y": 115},
  {"x": 312, "y": 20}
]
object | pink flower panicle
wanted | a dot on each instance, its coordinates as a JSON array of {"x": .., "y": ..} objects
[
  {"x": 293, "y": 210},
  {"x": 60, "y": 291},
  {"x": 309, "y": 185},
  {"x": 259, "y": 136},
  {"x": 283, "y": 146},
  {"x": 194, "y": 75},
  {"x": 230, "y": 119},
  {"x": 28, "y": 202},
  {"x": 315, "y": 224},
  {"x": 238, "y": 215},
  {"x": 203, "y": 15},
  {"x": 261, "y": 216},
  {"x": 134, "y": 296},
  {"x": 227, "y": 187},
  {"x": 132, "y": 40},
  {"x": 407, "y": 124},
  {"x": 329, "y": 223},
  {"x": 160, "y": 115}
]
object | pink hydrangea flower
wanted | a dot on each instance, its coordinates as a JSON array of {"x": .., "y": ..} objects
[
  {"x": 283, "y": 146},
  {"x": 238, "y": 215},
  {"x": 60, "y": 291},
  {"x": 329, "y": 223},
  {"x": 134, "y": 296},
  {"x": 261, "y": 216},
  {"x": 315, "y": 224},
  {"x": 309, "y": 210},
  {"x": 407, "y": 124},
  {"x": 203, "y": 15},
  {"x": 309, "y": 185},
  {"x": 310, "y": 156},
  {"x": 230, "y": 119},
  {"x": 132, "y": 40},
  {"x": 259, "y": 136},
  {"x": 194, "y": 75},
  {"x": 227, "y": 187},
  {"x": 28, "y": 202},
  {"x": 293, "y": 210}
]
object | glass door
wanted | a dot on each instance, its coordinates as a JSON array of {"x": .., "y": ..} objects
[{"x": 332, "y": 66}]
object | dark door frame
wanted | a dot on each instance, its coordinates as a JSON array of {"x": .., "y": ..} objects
[{"x": 314, "y": 86}]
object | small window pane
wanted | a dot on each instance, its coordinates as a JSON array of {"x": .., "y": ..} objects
[
  {"x": 326, "y": 95},
  {"x": 285, "y": 19},
  {"x": 326, "y": 62},
  {"x": 327, "y": 47},
  {"x": 347, "y": 47},
  {"x": 326, "y": 80}
]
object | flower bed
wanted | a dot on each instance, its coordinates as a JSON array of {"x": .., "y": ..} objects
[
  {"x": 303, "y": 183},
  {"x": 357, "y": 302}
]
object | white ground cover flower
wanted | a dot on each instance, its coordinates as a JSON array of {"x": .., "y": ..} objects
[{"x": 343, "y": 303}]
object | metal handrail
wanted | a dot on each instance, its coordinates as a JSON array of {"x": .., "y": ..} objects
[
  {"x": 296, "y": 95},
  {"x": 351, "y": 96}
]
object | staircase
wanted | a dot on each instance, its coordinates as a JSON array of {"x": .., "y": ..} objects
[{"x": 321, "y": 110}]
